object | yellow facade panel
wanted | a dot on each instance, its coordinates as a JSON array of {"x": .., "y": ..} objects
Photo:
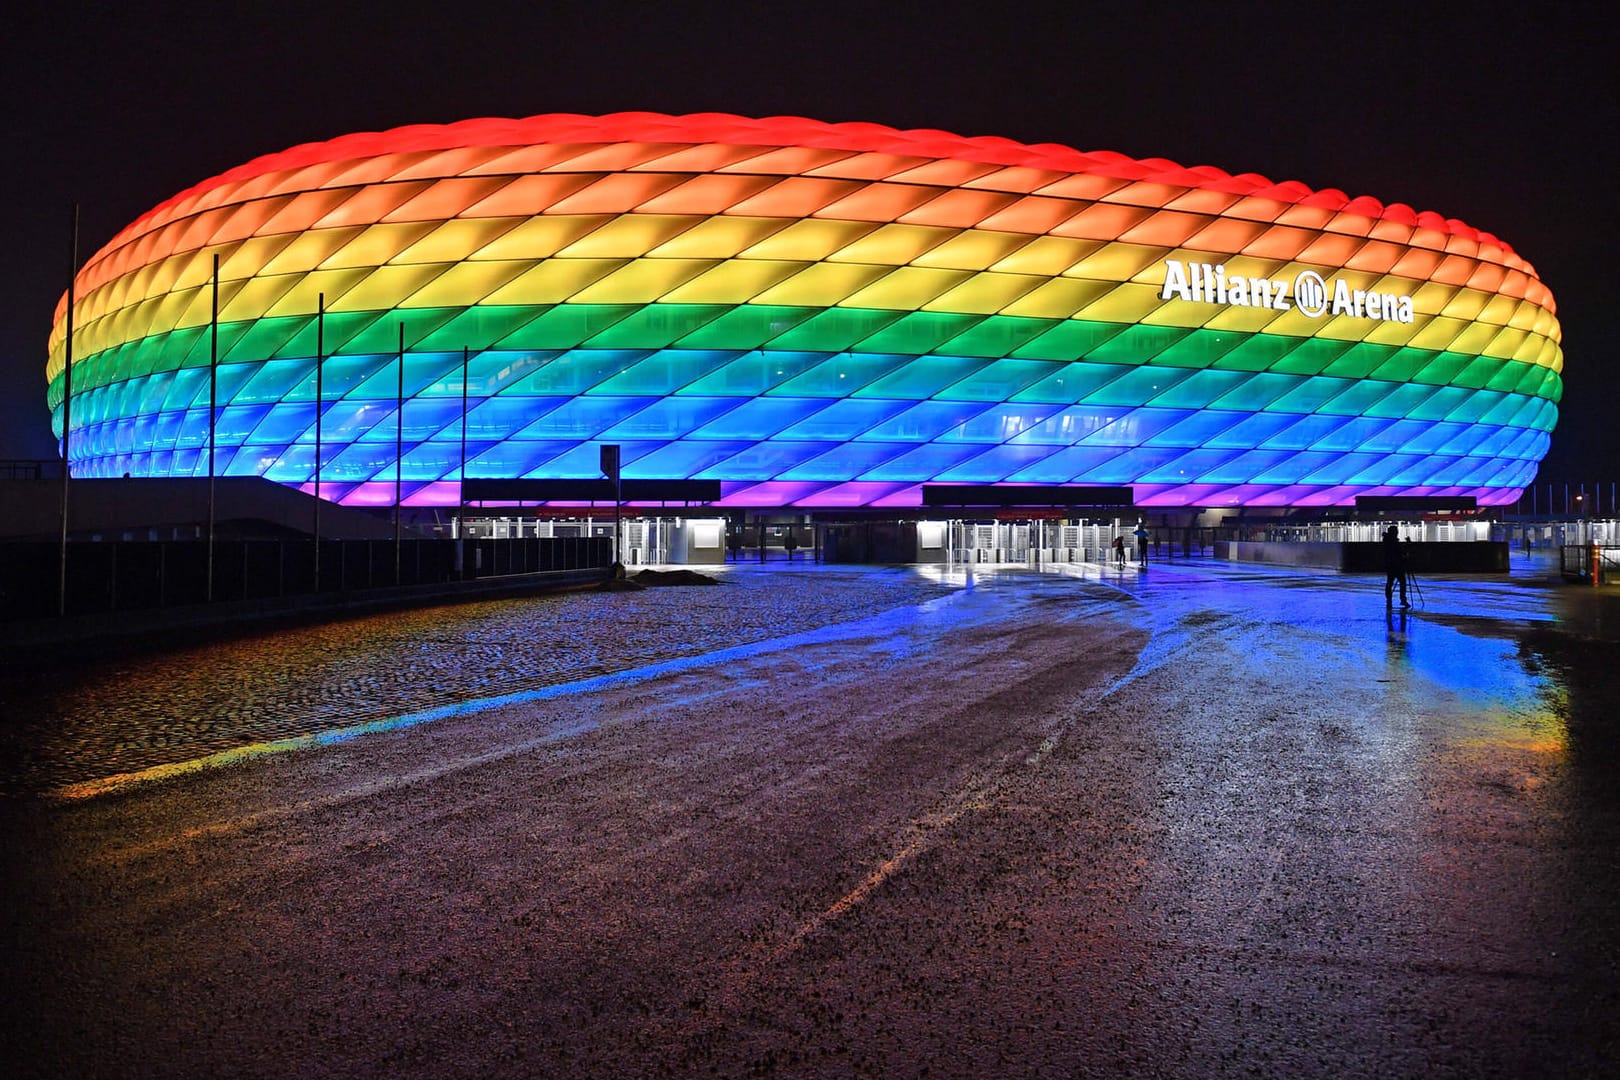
[
  {"x": 1475, "y": 338},
  {"x": 1498, "y": 309},
  {"x": 251, "y": 256},
  {"x": 454, "y": 240},
  {"x": 309, "y": 249},
  {"x": 972, "y": 250},
  {"x": 642, "y": 281},
  {"x": 164, "y": 312},
  {"x": 718, "y": 238},
  {"x": 540, "y": 237},
  {"x": 1550, "y": 356},
  {"x": 1437, "y": 334},
  {"x": 1242, "y": 320},
  {"x": 809, "y": 240},
  {"x": 1507, "y": 342},
  {"x": 384, "y": 287},
  {"x": 1432, "y": 297},
  {"x": 1118, "y": 261},
  {"x": 1057, "y": 298},
  {"x": 822, "y": 284},
  {"x": 1547, "y": 326},
  {"x": 197, "y": 268},
  {"x": 464, "y": 283},
  {"x": 199, "y": 311},
  {"x": 1534, "y": 349},
  {"x": 1393, "y": 333},
  {"x": 629, "y": 236},
  {"x": 256, "y": 296},
  {"x": 1294, "y": 323},
  {"x": 302, "y": 298},
  {"x": 1048, "y": 256},
  {"x": 1172, "y": 313},
  {"x": 984, "y": 293},
  {"x": 1528, "y": 316},
  {"x": 1127, "y": 303},
  {"x": 906, "y": 289},
  {"x": 892, "y": 245},
  {"x": 1344, "y": 328},
  {"x": 553, "y": 281},
  {"x": 1466, "y": 304},
  {"x": 736, "y": 281},
  {"x": 377, "y": 244}
]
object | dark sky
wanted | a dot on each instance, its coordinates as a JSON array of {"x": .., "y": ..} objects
[{"x": 1502, "y": 115}]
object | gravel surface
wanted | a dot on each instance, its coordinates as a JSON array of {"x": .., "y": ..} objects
[
  {"x": 126, "y": 714},
  {"x": 1195, "y": 822}
]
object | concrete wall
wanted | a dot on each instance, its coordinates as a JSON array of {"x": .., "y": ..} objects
[
  {"x": 1326, "y": 556},
  {"x": 174, "y": 508},
  {"x": 1422, "y": 557}
]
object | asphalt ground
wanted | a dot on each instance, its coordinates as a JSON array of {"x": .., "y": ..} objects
[{"x": 1191, "y": 821}]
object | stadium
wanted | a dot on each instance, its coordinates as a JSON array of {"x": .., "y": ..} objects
[{"x": 783, "y": 314}]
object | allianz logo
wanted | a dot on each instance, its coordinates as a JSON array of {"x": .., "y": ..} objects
[{"x": 1206, "y": 283}]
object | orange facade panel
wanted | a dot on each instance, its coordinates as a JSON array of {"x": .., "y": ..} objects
[
  {"x": 1033, "y": 214},
  {"x": 304, "y": 211},
  {"x": 1279, "y": 242},
  {"x": 1166, "y": 228},
  {"x": 447, "y": 198},
  {"x": 372, "y": 203},
  {"x": 616, "y": 193},
  {"x": 708, "y": 194},
  {"x": 958, "y": 208},
  {"x": 529, "y": 195},
  {"x": 1102, "y": 221},
  {"x": 867, "y": 166},
  {"x": 1331, "y": 249},
  {"x": 796, "y": 196},
  {"x": 877, "y": 202},
  {"x": 1376, "y": 256}
]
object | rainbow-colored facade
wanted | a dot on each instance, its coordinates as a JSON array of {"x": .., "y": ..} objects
[{"x": 816, "y": 315}]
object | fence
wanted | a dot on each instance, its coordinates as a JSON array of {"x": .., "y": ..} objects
[
  {"x": 1592, "y": 563},
  {"x": 106, "y": 576}
]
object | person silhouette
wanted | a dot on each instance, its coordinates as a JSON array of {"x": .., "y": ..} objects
[{"x": 1394, "y": 568}]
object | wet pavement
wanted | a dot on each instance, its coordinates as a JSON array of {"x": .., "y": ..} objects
[
  {"x": 127, "y": 713},
  {"x": 1195, "y": 821}
]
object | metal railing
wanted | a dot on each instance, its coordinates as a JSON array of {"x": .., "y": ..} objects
[{"x": 1595, "y": 564}]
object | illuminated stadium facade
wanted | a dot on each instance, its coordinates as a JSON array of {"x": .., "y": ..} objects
[{"x": 814, "y": 315}]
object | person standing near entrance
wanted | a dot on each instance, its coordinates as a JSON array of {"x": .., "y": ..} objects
[
  {"x": 1394, "y": 568},
  {"x": 1119, "y": 550},
  {"x": 1141, "y": 542}
]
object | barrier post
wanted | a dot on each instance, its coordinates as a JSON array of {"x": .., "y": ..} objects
[{"x": 1597, "y": 564}]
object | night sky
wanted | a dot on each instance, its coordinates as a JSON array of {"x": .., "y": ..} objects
[{"x": 1502, "y": 115}]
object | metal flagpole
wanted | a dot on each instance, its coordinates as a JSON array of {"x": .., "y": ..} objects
[
  {"x": 67, "y": 415},
  {"x": 461, "y": 495},
  {"x": 320, "y": 350},
  {"x": 399, "y": 445},
  {"x": 213, "y": 412}
]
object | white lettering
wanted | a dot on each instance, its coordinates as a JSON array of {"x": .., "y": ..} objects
[
  {"x": 1341, "y": 298},
  {"x": 1175, "y": 281},
  {"x": 1208, "y": 283}
]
